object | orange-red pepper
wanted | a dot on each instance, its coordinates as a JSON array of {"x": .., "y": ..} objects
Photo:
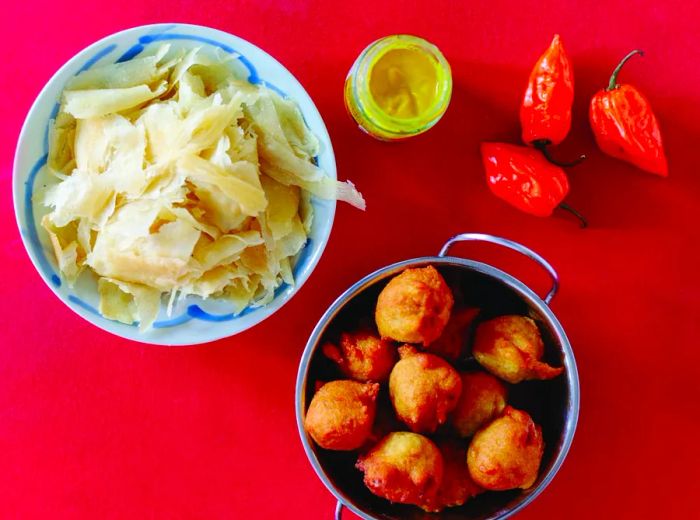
[
  {"x": 545, "y": 113},
  {"x": 524, "y": 178},
  {"x": 625, "y": 127}
]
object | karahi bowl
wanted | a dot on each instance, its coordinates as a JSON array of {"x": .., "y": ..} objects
[
  {"x": 194, "y": 320},
  {"x": 553, "y": 404}
]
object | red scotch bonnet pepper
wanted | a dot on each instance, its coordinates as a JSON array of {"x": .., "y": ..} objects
[
  {"x": 625, "y": 127},
  {"x": 522, "y": 177},
  {"x": 525, "y": 179},
  {"x": 545, "y": 112}
]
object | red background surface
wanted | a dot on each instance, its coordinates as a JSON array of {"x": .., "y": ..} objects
[{"x": 92, "y": 426}]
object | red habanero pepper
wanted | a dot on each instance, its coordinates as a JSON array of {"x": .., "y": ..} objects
[
  {"x": 545, "y": 112},
  {"x": 525, "y": 179},
  {"x": 625, "y": 126}
]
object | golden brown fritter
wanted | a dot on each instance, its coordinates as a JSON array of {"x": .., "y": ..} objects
[
  {"x": 403, "y": 467},
  {"x": 363, "y": 356},
  {"x": 341, "y": 414},
  {"x": 510, "y": 347},
  {"x": 457, "y": 484},
  {"x": 414, "y": 307},
  {"x": 483, "y": 398},
  {"x": 453, "y": 339},
  {"x": 507, "y": 453},
  {"x": 423, "y": 388}
]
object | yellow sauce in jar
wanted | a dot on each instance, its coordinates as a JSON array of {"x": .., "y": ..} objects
[
  {"x": 400, "y": 86},
  {"x": 403, "y": 82}
]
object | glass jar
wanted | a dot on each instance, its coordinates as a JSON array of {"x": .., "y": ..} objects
[{"x": 398, "y": 87}]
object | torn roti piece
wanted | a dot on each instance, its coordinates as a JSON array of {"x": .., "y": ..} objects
[{"x": 176, "y": 178}]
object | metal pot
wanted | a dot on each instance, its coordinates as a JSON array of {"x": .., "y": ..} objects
[{"x": 553, "y": 404}]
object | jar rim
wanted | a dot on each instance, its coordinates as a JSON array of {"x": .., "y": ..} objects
[{"x": 367, "y": 105}]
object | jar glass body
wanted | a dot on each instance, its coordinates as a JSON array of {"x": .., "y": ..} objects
[{"x": 364, "y": 109}]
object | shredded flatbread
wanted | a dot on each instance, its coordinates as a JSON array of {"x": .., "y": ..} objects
[{"x": 176, "y": 178}]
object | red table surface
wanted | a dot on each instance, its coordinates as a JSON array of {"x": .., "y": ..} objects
[{"x": 93, "y": 426}]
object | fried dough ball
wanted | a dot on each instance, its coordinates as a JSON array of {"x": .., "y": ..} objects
[
  {"x": 423, "y": 388},
  {"x": 483, "y": 398},
  {"x": 457, "y": 484},
  {"x": 507, "y": 453},
  {"x": 414, "y": 307},
  {"x": 341, "y": 414},
  {"x": 510, "y": 347},
  {"x": 453, "y": 339},
  {"x": 363, "y": 356},
  {"x": 403, "y": 467}
]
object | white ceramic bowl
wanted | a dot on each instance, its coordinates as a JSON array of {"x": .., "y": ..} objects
[{"x": 194, "y": 320}]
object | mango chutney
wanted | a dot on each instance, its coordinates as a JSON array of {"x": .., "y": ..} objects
[{"x": 399, "y": 87}]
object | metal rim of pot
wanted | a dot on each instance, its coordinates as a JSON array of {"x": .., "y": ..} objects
[{"x": 542, "y": 304}]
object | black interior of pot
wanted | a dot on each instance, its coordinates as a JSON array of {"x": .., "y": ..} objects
[{"x": 545, "y": 401}]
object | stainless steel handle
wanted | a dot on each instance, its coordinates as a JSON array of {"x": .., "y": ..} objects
[
  {"x": 515, "y": 246},
  {"x": 339, "y": 510}
]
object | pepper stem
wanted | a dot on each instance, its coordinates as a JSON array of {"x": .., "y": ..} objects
[
  {"x": 581, "y": 218},
  {"x": 542, "y": 144},
  {"x": 612, "y": 85}
]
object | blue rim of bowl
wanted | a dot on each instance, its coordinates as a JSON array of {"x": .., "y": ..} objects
[{"x": 305, "y": 261}]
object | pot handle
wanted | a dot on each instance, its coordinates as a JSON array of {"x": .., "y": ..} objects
[
  {"x": 339, "y": 510},
  {"x": 515, "y": 246}
]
